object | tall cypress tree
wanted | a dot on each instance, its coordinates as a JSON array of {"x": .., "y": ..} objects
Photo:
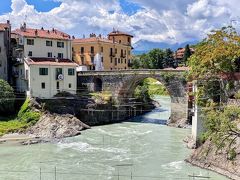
[{"x": 187, "y": 54}]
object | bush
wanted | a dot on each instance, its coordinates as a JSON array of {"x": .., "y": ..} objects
[
  {"x": 7, "y": 98},
  {"x": 27, "y": 115}
]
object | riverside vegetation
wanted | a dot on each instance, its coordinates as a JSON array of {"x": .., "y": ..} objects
[{"x": 219, "y": 145}]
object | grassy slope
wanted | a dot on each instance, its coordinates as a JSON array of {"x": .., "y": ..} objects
[{"x": 25, "y": 118}]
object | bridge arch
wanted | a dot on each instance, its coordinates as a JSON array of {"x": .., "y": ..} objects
[
  {"x": 175, "y": 87},
  {"x": 98, "y": 84},
  {"x": 123, "y": 83}
]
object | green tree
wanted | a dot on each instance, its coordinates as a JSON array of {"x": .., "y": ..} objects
[
  {"x": 187, "y": 54},
  {"x": 216, "y": 54},
  {"x": 7, "y": 98},
  {"x": 169, "y": 60}
]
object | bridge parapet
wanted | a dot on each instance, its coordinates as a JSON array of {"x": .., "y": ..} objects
[{"x": 135, "y": 71}]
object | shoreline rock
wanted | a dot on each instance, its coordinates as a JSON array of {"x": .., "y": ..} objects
[
  {"x": 206, "y": 156},
  {"x": 55, "y": 126}
]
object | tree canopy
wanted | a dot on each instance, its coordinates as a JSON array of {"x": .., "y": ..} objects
[
  {"x": 7, "y": 98},
  {"x": 187, "y": 54},
  {"x": 218, "y": 53},
  {"x": 155, "y": 59}
]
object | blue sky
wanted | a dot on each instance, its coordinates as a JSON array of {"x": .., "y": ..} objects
[
  {"x": 165, "y": 21},
  {"x": 40, "y": 5},
  {"x": 47, "y": 5}
]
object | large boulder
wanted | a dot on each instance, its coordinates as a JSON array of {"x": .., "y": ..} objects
[{"x": 52, "y": 126}]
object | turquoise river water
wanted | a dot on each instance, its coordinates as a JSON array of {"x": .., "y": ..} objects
[{"x": 141, "y": 149}]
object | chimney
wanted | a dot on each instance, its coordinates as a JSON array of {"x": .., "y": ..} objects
[
  {"x": 36, "y": 32},
  {"x": 73, "y": 37},
  {"x": 8, "y": 22},
  {"x": 42, "y": 28},
  {"x": 24, "y": 26}
]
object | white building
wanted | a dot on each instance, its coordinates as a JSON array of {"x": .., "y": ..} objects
[
  {"x": 5, "y": 32},
  {"x": 44, "y": 78},
  {"x": 44, "y": 66}
]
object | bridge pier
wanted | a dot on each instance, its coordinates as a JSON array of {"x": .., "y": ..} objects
[{"x": 179, "y": 109}]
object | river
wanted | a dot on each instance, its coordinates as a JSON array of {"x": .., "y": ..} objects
[{"x": 141, "y": 149}]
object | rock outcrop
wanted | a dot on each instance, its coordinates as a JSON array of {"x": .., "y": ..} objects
[
  {"x": 207, "y": 156},
  {"x": 55, "y": 126}
]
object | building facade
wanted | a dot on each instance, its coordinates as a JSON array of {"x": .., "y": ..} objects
[
  {"x": 5, "y": 39},
  {"x": 43, "y": 78},
  {"x": 43, "y": 65},
  {"x": 179, "y": 54},
  {"x": 98, "y": 53}
]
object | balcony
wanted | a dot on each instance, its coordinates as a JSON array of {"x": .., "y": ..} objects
[
  {"x": 91, "y": 53},
  {"x": 82, "y": 53}
]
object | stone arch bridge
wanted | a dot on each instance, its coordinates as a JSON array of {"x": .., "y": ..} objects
[{"x": 123, "y": 83}]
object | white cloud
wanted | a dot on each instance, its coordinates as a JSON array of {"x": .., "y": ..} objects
[{"x": 166, "y": 20}]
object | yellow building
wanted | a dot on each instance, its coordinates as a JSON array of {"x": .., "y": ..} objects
[{"x": 114, "y": 52}]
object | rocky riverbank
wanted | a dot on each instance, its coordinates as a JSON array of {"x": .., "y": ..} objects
[{"x": 206, "y": 156}]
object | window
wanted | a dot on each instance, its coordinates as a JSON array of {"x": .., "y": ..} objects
[
  {"x": 70, "y": 85},
  {"x": 129, "y": 40},
  {"x": 111, "y": 60},
  {"x": 121, "y": 60},
  {"x": 115, "y": 61},
  {"x": 118, "y": 60},
  {"x": 48, "y": 43},
  {"x": 43, "y": 85},
  {"x": 30, "y": 41},
  {"x": 71, "y": 72},
  {"x": 49, "y": 54},
  {"x": 57, "y": 85},
  {"x": 82, "y": 60},
  {"x": 60, "y": 44},
  {"x": 26, "y": 74},
  {"x": 92, "y": 49},
  {"x": 116, "y": 51},
  {"x": 60, "y": 55},
  {"x": 58, "y": 72},
  {"x": 120, "y": 41},
  {"x": 82, "y": 50},
  {"x": 0, "y": 49},
  {"x": 129, "y": 52},
  {"x": 29, "y": 53},
  {"x": 102, "y": 49},
  {"x": 102, "y": 59},
  {"x": 43, "y": 71},
  {"x": 125, "y": 61},
  {"x": 92, "y": 60}
]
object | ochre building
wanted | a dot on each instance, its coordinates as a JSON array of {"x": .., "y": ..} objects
[{"x": 98, "y": 53}]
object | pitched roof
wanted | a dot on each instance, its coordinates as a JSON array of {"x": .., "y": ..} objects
[
  {"x": 41, "y": 33},
  {"x": 50, "y": 61},
  {"x": 92, "y": 39},
  {"x": 3, "y": 26},
  {"x": 119, "y": 33}
]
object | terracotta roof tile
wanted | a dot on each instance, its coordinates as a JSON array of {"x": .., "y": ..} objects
[
  {"x": 92, "y": 39},
  {"x": 118, "y": 33},
  {"x": 3, "y": 26},
  {"x": 50, "y": 61},
  {"x": 41, "y": 33}
]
